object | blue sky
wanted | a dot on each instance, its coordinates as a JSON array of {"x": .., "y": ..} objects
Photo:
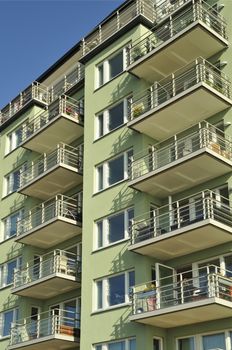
[{"x": 35, "y": 33}]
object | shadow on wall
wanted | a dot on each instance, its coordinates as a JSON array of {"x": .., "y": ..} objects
[
  {"x": 122, "y": 88},
  {"x": 10, "y": 302},
  {"x": 122, "y": 327},
  {"x": 14, "y": 251},
  {"x": 122, "y": 142},
  {"x": 124, "y": 198}
]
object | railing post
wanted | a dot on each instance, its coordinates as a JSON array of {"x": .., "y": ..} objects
[
  {"x": 83, "y": 47},
  {"x": 100, "y": 33},
  {"x": 118, "y": 20},
  {"x": 42, "y": 213},
  {"x": 175, "y": 147},
  {"x": 171, "y": 26},
  {"x": 173, "y": 85},
  {"x": 181, "y": 289},
  {"x": 151, "y": 97},
  {"x": 204, "y": 205},
  {"x": 178, "y": 214},
  {"x": 138, "y": 7}
]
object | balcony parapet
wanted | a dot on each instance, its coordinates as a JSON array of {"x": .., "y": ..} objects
[
  {"x": 166, "y": 302},
  {"x": 178, "y": 148},
  {"x": 196, "y": 11},
  {"x": 54, "y": 327}
]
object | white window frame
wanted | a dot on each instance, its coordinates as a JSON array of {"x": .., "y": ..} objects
[
  {"x": 105, "y": 116},
  {"x": 4, "y": 271},
  {"x": 105, "y": 171},
  {"x": 11, "y": 140},
  {"x": 8, "y": 181},
  {"x": 106, "y": 70},
  {"x": 15, "y": 318},
  {"x": 5, "y": 225},
  {"x": 105, "y": 292},
  {"x": 105, "y": 229},
  {"x": 160, "y": 340},
  {"x": 105, "y": 345}
]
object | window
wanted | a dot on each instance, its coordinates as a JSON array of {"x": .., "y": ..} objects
[
  {"x": 111, "y": 118},
  {"x": 128, "y": 344},
  {"x": 214, "y": 341},
  {"x": 6, "y": 318},
  {"x": 157, "y": 344},
  {"x": 7, "y": 271},
  {"x": 10, "y": 224},
  {"x": 113, "y": 228},
  {"x": 113, "y": 170},
  {"x": 114, "y": 290},
  {"x": 14, "y": 139},
  {"x": 12, "y": 181},
  {"x": 186, "y": 344},
  {"x": 111, "y": 67}
]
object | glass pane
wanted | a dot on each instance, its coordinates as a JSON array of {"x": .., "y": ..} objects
[
  {"x": 156, "y": 344},
  {"x": 186, "y": 344},
  {"x": 13, "y": 224},
  {"x": 116, "y": 116},
  {"x": 214, "y": 341},
  {"x": 10, "y": 271},
  {"x": 132, "y": 344},
  {"x": 100, "y": 177},
  {"x": 99, "y": 295},
  {"x": 100, "y": 125},
  {"x": 228, "y": 265},
  {"x": 117, "y": 290},
  {"x": 117, "y": 346},
  {"x": 116, "y": 228},
  {"x": 116, "y": 65},
  {"x": 100, "y": 75},
  {"x": 116, "y": 170},
  {"x": 99, "y": 234},
  {"x": 15, "y": 180},
  {"x": 7, "y": 319},
  {"x": 98, "y": 347}
]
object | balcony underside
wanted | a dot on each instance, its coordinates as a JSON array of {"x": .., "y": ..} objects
[
  {"x": 51, "y": 233},
  {"x": 186, "y": 314},
  {"x": 185, "y": 240},
  {"x": 57, "y": 180},
  {"x": 58, "y": 342},
  {"x": 180, "y": 112},
  {"x": 183, "y": 174},
  {"x": 61, "y": 129},
  {"x": 48, "y": 287},
  {"x": 198, "y": 40}
]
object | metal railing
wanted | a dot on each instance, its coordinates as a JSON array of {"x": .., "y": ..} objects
[
  {"x": 58, "y": 261},
  {"x": 117, "y": 21},
  {"x": 36, "y": 91},
  {"x": 190, "y": 286},
  {"x": 63, "y": 155},
  {"x": 181, "y": 214},
  {"x": 53, "y": 322},
  {"x": 60, "y": 206},
  {"x": 63, "y": 106},
  {"x": 70, "y": 79},
  {"x": 197, "y": 11},
  {"x": 159, "y": 156},
  {"x": 199, "y": 71}
]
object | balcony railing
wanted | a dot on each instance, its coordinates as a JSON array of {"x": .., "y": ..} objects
[
  {"x": 206, "y": 282},
  {"x": 70, "y": 79},
  {"x": 59, "y": 207},
  {"x": 183, "y": 213},
  {"x": 36, "y": 91},
  {"x": 197, "y": 11},
  {"x": 207, "y": 136},
  {"x": 63, "y": 106},
  {"x": 55, "y": 323},
  {"x": 117, "y": 21},
  {"x": 56, "y": 262},
  {"x": 63, "y": 155},
  {"x": 199, "y": 71}
]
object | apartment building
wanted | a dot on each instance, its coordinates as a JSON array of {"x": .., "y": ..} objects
[{"x": 115, "y": 185}]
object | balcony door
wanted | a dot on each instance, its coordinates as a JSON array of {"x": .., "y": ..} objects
[{"x": 166, "y": 283}]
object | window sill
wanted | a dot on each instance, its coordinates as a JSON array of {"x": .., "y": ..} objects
[
  {"x": 6, "y": 286},
  {"x": 111, "y": 186},
  {"x": 111, "y": 308},
  {"x": 109, "y": 81},
  {"x": 5, "y": 337},
  {"x": 7, "y": 239},
  {"x": 110, "y": 132},
  {"x": 110, "y": 245}
]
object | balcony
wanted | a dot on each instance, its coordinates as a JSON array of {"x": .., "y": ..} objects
[
  {"x": 118, "y": 22},
  {"x": 63, "y": 121},
  {"x": 183, "y": 227},
  {"x": 56, "y": 272},
  {"x": 36, "y": 93},
  {"x": 183, "y": 163},
  {"x": 53, "y": 173},
  {"x": 183, "y": 299},
  {"x": 54, "y": 329},
  {"x": 190, "y": 95},
  {"x": 198, "y": 30},
  {"x": 50, "y": 223}
]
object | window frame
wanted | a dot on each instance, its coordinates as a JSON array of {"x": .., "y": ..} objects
[
  {"x": 105, "y": 345},
  {"x": 105, "y": 115},
  {"x": 4, "y": 270},
  {"x": 12, "y": 139},
  {"x": 8, "y": 181},
  {"x": 6, "y": 225},
  {"x": 105, "y": 171},
  {"x": 105, "y": 229},
  {"x": 15, "y": 318},
  {"x": 105, "y": 292},
  {"x": 106, "y": 67},
  {"x": 198, "y": 338}
]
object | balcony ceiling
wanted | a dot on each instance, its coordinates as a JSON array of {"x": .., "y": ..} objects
[{"x": 59, "y": 342}]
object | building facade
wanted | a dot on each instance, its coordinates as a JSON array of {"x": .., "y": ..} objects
[{"x": 115, "y": 185}]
